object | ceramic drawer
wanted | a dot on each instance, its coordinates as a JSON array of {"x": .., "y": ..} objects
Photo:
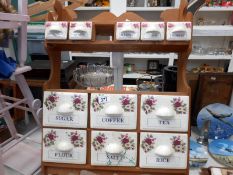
[
  {"x": 56, "y": 30},
  {"x": 179, "y": 31},
  {"x": 64, "y": 146},
  {"x": 65, "y": 109},
  {"x": 128, "y": 30},
  {"x": 113, "y": 111},
  {"x": 113, "y": 148},
  {"x": 163, "y": 150},
  {"x": 164, "y": 113},
  {"x": 80, "y": 30}
]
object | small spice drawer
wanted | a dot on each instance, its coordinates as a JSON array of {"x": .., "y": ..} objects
[
  {"x": 65, "y": 109},
  {"x": 113, "y": 111},
  {"x": 64, "y": 146},
  {"x": 163, "y": 150},
  {"x": 164, "y": 113},
  {"x": 112, "y": 148},
  {"x": 56, "y": 30}
]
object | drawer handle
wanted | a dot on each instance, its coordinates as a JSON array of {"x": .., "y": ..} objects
[
  {"x": 81, "y": 31},
  {"x": 165, "y": 113},
  {"x": 65, "y": 109},
  {"x": 113, "y": 110},
  {"x": 164, "y": 150},
  {"x": 64, "y": 146},
  {"x": 114, "y": 148},
  {"x": 55, "y": 30},
  {"x": 179, "y": 32}
]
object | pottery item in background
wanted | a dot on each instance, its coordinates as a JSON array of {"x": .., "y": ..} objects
[
  {"x": 80, "y": 30},
  {"x": 128, "y": 31},
  {"x": 56, "y": 30},
  {"x": 198, "y": 154},
  {"x": 220, "y": 117},
  {"x": 222, "y": 151}
]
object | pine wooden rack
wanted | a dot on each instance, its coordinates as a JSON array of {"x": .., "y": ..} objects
[{"x": 104, "y": 24}]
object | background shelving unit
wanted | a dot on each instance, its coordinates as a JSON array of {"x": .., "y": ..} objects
[{"x": 16, "y": 142}]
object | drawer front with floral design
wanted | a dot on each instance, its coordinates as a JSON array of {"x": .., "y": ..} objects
[
  {"x": 65, "y": 109},
  {"x": 64, "y": 146},
  {"x": 111, "y": 148},
  {"x": 113, "y": 111},
  {"x": 163, "y": 150},
  {"x": 164, "y": 113}
]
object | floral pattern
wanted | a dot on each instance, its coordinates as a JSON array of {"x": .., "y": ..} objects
[
  {"x": 179, "y": 106},
  {"x": 51, "y": 101},
  {"x": 96, "y": 105},
  {"x": 99, "y": 141},
  {"x": 178, "y": 144},
  {"x": 50, "y": 138},
  {"x": 78, "y": 103},
  {"x": 127, "y": 142},
  {"x": 127, "y": 103},
  {"x": 148, "y": 143},
  {"x": 76, "y": 139},
  {"x": 149, "y": 104}
]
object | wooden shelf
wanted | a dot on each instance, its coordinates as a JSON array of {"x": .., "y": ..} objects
[
  {"x": 145, "y": 9},
  {"x": 92, "y": 9},
  {"x": 210, "y": 57},
  {"x": 136, "y": 75},
  {"x": 148, "y": 55},
  {"x": 118, "y": 46},
  {"x": 116, "y": 169},
  {"x": 214, "y": 9},
  {"x": 213, "y": 30}
]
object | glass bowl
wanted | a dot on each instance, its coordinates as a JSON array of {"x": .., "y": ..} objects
[{"x": 94, "y": 76}]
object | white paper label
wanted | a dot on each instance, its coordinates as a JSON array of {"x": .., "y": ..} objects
[{"x": 103, "y": 99}]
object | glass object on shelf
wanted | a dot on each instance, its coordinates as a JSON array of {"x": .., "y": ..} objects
[
  {"x": 202, "y": 21},
  {"x": 223, "y": 3},
  {"x": 153, "y": 3},
  {"x": 131, "y": 3},
  {"x": 94, "y": 76},
  {"x": 163, "y": 3},
  {"x": 97, "y": 3}
]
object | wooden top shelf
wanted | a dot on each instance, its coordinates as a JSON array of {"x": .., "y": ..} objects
[{"x": 118, "y": 46}]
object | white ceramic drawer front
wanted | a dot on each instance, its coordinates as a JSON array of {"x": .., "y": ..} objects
[
  {"x": 111, "y": 148},
  {"x": 152, "y": 31},
  {"x": 56, "y": 30},
  {"x": 65, "y": 109},
  {"x": 80, "y": 30},
  {"x": 164, "y": 113},
  {"x": 163, "y": 150},
  {"x": 128, "y": 31},
  {"x": 179, "y": 31},
  {"x": 64, "y": 146},
  {"x": 113, "y": 111}
]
